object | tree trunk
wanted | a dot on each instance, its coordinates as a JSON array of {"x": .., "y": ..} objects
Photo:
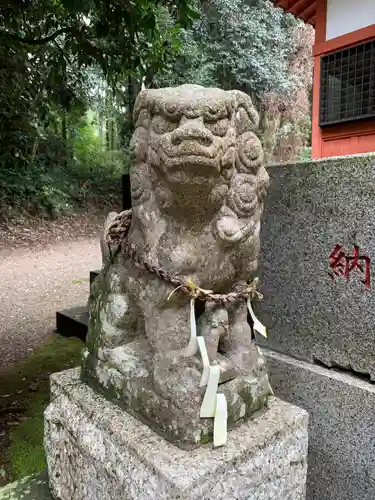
[
  {"x": 64, "y": 132},
  {"x": 134, "y": 87},
  {"x": 64, "y": 128}
]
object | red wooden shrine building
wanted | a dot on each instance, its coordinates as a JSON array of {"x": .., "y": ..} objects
[{"x": 343, "y": 116}]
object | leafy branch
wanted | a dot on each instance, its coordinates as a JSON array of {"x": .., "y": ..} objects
[{"x": 37, "y": 41}]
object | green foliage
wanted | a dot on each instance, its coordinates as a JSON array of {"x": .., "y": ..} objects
[
  {"x": 252, "y": 46},
  {"x": 87, "y": 145},
  {"x": 60, "y": 178},
  {"x": 32, "y": 187},
  {"x": 300, "y": 126},
  {"x": 305, "y": 155},
  {"x": 118, "y": 36},
  {"x": 237, "y": 44}
]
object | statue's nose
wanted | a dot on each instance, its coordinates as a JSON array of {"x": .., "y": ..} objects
[{"x": 192, "y": 130}]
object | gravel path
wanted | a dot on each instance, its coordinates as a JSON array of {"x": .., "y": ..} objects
[{"x": 34, "y": 284}]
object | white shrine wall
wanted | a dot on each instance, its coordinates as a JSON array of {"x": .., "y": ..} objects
[{"x": 345, "y": 16}]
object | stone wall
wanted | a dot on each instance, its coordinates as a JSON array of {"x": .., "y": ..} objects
[{"x": 311, "y": 208}]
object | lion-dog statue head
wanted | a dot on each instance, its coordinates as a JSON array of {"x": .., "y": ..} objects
[{"x": 191, "y": 141}]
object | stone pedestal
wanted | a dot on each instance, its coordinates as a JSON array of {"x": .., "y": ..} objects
[
  {"x": 96, "y": 451},
  {"x": 341, "y": 459}
]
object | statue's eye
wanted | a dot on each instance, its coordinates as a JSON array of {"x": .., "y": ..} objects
[
  {"x": 217, "y": 127},
  {"x": 161, "y": 125}
]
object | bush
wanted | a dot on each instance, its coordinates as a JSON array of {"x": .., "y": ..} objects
[
  {"x": 305, "y": 155},
  {"x": 62, "y": 175}
]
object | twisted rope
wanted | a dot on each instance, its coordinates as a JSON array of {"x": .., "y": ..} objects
[{"x": 117, "y": 234}]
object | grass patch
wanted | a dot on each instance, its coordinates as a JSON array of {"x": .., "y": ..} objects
[
  {"x": 80, "y": 282},
  {"x": 24, "y": 395}
]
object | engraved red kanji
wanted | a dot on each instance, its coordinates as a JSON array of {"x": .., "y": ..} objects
[{"x": 343, "y": 265}]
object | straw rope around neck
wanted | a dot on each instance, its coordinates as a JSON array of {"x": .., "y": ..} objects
[{"x": 117, "y": 234}]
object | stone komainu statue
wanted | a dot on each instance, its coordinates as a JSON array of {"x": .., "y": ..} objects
[{"x": 198, "y": 184}]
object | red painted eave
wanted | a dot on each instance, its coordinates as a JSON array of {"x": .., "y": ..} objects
[{"x": 303, "y": 9}]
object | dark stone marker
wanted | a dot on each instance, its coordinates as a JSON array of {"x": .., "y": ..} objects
[
  {"x": 93, "y": 275},
  {"x": 126, "y": 192},
  {"x": 73, "y": 322}
]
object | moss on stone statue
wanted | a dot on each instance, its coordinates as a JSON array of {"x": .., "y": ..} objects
[
  {"x": 145, "y": 405},
  {"x": 137, "y": 396}
]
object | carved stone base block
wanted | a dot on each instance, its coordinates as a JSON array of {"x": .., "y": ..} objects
[
  {"x": 125, "y": 378},
  {"x": 97, "y": 451}
]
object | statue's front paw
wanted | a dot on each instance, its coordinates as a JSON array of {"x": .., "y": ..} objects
[{"x": 177, "y": 378}]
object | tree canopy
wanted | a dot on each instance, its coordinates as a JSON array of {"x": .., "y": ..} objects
[
  {"x": 118, "y": 36},
  {"x": 46, "y": 46},
  {"x": 244, "y": 44}
]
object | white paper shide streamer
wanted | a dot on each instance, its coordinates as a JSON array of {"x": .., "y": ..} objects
[
  {"x": 214, "y": 405},
  {"x": 221, "y": 420},
  {"x": 192, "y": 347},
  {"x": 205, "y": 361},
  {"x": 257, "y": 325},
  {"x": 208, "y": 407}
]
